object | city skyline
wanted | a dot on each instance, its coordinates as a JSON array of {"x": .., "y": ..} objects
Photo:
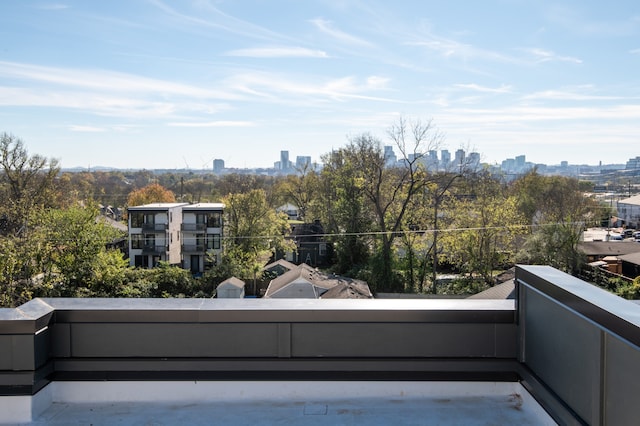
[{"x": 165, "y": 84}]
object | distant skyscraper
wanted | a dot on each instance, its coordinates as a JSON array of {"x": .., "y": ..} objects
[
  {"x": 520, "y": 161},
  {"x": 445, "y": 159},
  {"x": 432, "y": 161},
  {"x": 302, "y": 162},
  {"x": 284, "y": 160},
  {"x": 459, "y": 159},
  {"x": 218, "y": 165},
  {"x": 390, "y": 158},
  {"x": 474, "y": 160}
]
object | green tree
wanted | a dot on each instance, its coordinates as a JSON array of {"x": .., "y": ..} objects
[
  {"x": 299, "y": 189},
  {"x": 254, "y": 231},
  {"x": 557, "y": 210},
  {"x": 74, "y": 238},
  {"x": 390, "y": 188},
  {"x": 486, "y": 226},
  {"x": 341, "y": 207}
]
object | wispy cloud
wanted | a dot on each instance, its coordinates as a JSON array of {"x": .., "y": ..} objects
[
  {"x": 568, "y": 95},
  {"x": 221, "y": 123},
  {"x": 278, "y": 52},
  {"x": 635, "y": 51},
  {"x": 327, "y": 27},
  {"x": 212, "y": 17},
  {"x": 104, "y": 81},
  {"x": 478, "y": 88},
  {"x": 543, "y": 55},
  {"x": 52, "y": 6},
  {"x": 89, "y": 129}
]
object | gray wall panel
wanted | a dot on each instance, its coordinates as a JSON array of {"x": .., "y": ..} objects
[
  {"x": 622, "y": 382},
  {"x": 563, "y": 349},
  {"x": 6, "y": 354},
  {"x": 393, "y": 340},
  {"x": 174, "y": 340}
]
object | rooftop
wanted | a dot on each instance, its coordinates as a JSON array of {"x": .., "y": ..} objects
[
  {"x": 563, "y": 351},
  {"x": 292, "y": 403}
]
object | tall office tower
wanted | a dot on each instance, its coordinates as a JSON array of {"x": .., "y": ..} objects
[
  {"x": 431, "y": 161},
  {"x": 284, "y": 160},
  {"x": 474, "y": 161},
  {"x": 390, "y": 156},
  {"x": 459, "y": 159},
  {"x": 445, "y": 159},
  {"x": 520, "y": 162},
  {"x": 218, "y": 165},
  {"x": 303, "y": 162}
]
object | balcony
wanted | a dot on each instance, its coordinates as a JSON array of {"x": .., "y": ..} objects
[
  {"x": 565, "y": 352},
  {"x": 155, "y": 249},
  {"x": 193, "y": 248},
  {"x": 194, "y": 227},
  {"x": 155, "y": 227}
]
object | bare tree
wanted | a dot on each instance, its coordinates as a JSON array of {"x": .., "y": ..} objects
[{"x": 25, "y": 180}]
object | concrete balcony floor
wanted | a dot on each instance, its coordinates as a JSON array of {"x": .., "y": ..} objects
[{"x": 290, "y": 403}]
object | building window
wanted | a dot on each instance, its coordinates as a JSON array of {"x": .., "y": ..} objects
[
  {"x": 214, "y": 219},
  {"x": 213, "y": 241},
  {"x": 150, "y": 240},
  {"x": 137, "y": 219},
  {"x": 136, "y": 241}
]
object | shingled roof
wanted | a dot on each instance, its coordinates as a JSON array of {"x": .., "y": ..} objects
[{"x": 306, "y": 282}]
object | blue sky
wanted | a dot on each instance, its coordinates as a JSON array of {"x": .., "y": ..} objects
[{"x": 171, "y": 84}]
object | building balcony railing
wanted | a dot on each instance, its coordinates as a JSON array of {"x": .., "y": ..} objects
[
  {"x": 155, "y": 226},
  {"x": 193, "y": 227},
  {"x": 154, "y": 249},
  {"x": 193, "y": 248},
  {"x": 573, "y": 346}
]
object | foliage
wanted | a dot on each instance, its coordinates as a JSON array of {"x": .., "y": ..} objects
[
  {"x": 300, "y": 190},
  {"x": 558, "y": 211},
  {"x": 153, "y": 193},
  {"x": 26, "y": 182},
  {"x": 254, "y": 232},
  {"x": 341, "y": 208},
  {"x": 630, "y": 291},
  {"x": 485, "y": 228}
]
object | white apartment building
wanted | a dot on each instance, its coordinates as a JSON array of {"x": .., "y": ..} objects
[
  {"x": 183, "y": 234},
  {"x": 201, "y": 229},
  {"x": 629, "y": 211},
  {"x": 154, "y": 232}
]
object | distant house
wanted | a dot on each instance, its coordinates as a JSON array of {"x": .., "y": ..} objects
[
  {"x": 279, "y": 267},
  {"x": 290, "y": 210},
  {"x": 232, "y": 288},
  {"x": 630, "y": 265},
  {"x": 629, "y": 211},
  {"x": 312, "y": 247},
  {"x": 304, "y": 282},
  {"x": 598, "y": 250}
]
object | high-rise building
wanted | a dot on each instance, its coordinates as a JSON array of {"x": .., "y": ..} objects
[
  {"x": 390, "y": 158},
  {"x": 303, "y": 162},
  {"x": 445, "y": 159},
  {"x": 473, "y": 161},
  {"x": 285, "y": 164},
  {"x": 459, "y": 158},
  {"x": 218, "y": 165},
  {"x": 432, "y": 161}
]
